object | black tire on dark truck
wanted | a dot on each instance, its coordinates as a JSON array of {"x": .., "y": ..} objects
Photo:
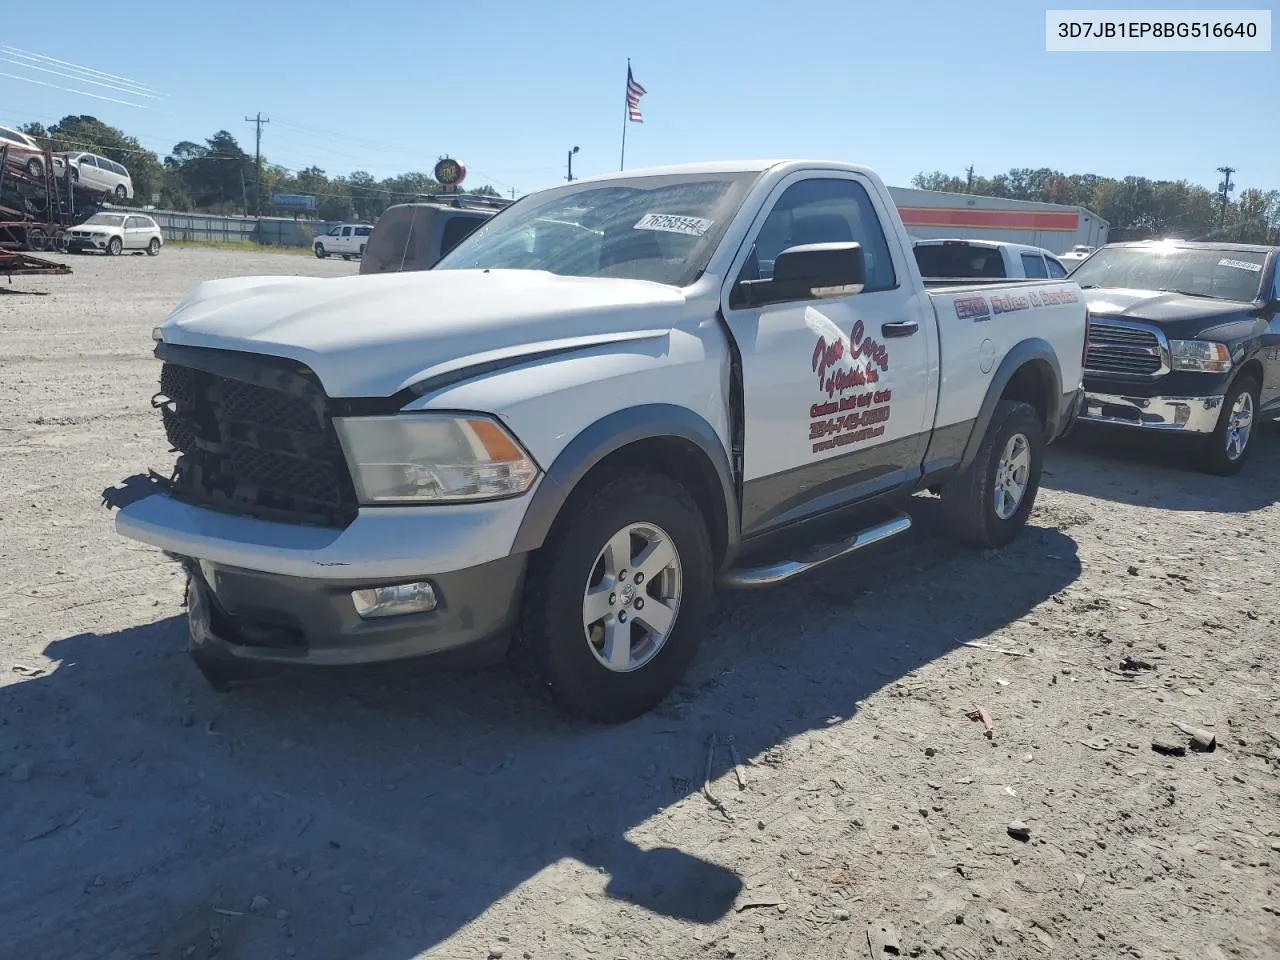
[
  {"x": 1226, "y": 450},
  {"x": 617, "y": 666},
  {"x": 1009, "y": 462}
]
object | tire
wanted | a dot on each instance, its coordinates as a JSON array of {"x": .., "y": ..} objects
[
  {"x": 1220, "y": 455},
  {"x": 970, "y": 505},
  {"x": 153, "y": 248},
  {"x": 346, "y": 256},
  {"x": 75, "y": 175},
  {"x": 565, "y": 654},
  {"x": 362, "y": 251},
  {"x": 320, "y": 251},
  {"x": 121, "y": 193},
  {"x": 35, "y": 169},
  {"x": 37, "y": 239},
  {"x": 114, "y": 246}
]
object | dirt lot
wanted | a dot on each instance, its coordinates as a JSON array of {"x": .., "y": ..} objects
[{"x": 392, "y": 816}]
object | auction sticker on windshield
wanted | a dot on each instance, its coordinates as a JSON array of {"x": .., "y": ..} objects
[
  {"x": 1241, "y": 265},
  {"x": 674, "y": 223}
]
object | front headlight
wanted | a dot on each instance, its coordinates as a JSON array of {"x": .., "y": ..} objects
[
  {"x": 430, "y": 458},
  {"x": 1200, "y": 355}
]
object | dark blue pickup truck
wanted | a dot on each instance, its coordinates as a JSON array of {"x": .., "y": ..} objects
[{"x": 1184, "y": 338}]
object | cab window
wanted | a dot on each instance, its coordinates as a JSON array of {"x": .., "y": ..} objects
[
  {"x": 824, "y": 210},
  {"x": 1056, "y": 270},
  {"x": 1033, "y": 266},
  {"x": 456, "y": 229}
]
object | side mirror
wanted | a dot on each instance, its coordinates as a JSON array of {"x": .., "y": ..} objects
[{"x": 809, "y": 271}]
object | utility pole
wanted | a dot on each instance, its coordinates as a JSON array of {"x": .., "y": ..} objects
[
  {"x": 968, "y": 186},
  {"x": 258, "y": 121},
  {"x": 1224, "y": 193}
]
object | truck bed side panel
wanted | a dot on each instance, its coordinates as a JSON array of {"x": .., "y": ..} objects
[{"x": 979, "y": 325}]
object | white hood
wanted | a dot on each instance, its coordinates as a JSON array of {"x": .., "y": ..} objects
[{"x": 372, "y": 335}]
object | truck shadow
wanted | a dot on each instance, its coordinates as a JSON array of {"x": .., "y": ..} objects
[
  {"x": 1152, "y": 471},
  {"x": 387, "y": 812}
]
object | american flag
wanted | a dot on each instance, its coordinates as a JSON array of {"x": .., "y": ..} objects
[{"x": 634, "y": 93}]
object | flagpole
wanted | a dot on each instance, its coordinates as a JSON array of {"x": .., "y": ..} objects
[{"x": 626, "y": 91}]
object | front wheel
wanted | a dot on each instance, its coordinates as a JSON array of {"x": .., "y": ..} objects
[
  {"x": 987, "y": 503},
  {"x": 616, "y": 600},
  {"x": 114, "y": 246},
  {"x": 320, "y": 251},
  {"x": 121, "y": 193},
  {"x": 1227, "y": 448}
]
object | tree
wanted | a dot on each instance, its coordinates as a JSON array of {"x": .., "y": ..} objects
[{"x": 217, "y": 176}]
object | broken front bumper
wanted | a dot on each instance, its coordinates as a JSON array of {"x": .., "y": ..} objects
[
  {"x": 1168, "y": 414},
  {"x": 244, "y": 615}
]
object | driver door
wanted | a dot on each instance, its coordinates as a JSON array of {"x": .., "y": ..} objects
[{"x": 839, "y": 392}]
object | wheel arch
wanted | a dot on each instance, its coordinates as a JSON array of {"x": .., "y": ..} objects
[
  {"x": 1030, "y": 373},
  {"x": 1250, "y": 368},
  {"x": 664, "y": 437}
]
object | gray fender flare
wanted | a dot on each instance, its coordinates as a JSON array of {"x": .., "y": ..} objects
[
  {"x": 612, "y": 433},
  {"x": 1032, "y": 350}
]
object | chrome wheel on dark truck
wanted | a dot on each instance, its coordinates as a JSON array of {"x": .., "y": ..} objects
[
  {"x": 987, "y": 503},
  {"x": 616, "y": 600},
  {"x": 1227, "y": 448}
]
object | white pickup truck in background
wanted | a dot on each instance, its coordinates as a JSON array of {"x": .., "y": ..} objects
[
  {"x": 612, "y": 395},
  {"x": 985, "y": 259}
]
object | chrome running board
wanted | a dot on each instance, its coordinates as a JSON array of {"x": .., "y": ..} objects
[{"x": 784, "y": 570}]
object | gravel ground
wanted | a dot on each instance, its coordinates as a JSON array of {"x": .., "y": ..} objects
[{"x": 396, "y": 815}]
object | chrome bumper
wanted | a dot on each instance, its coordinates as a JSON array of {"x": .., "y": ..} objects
[{"x": 1171, "y": 414}]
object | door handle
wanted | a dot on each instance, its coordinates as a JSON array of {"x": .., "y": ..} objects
[{"x": 899, "y": 328}]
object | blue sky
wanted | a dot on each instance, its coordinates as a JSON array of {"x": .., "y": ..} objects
[{"x": 903, "y": 87}]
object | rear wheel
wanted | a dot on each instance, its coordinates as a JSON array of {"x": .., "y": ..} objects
[
  {"x": 153, "y": 248},
  {"x": 987, "y": 503},
  {"x": 114, "y": 246},
  {"x": 35, "y": 168},
  {"x": 1227, "y": 448},
  {"x": 616, "y": 600},
  {"x": 37, "y": 239},
  {"x": 121, "y": 193}
]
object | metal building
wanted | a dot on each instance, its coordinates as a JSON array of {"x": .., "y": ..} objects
[{"x": 933, "y": 215}]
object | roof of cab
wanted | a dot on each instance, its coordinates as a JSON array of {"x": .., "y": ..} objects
[{"x": 725, "y": 166}]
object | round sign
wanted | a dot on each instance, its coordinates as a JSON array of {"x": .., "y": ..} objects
[{"x": 449, "y": 172}]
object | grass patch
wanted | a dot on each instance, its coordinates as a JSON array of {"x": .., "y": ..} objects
[{"x": 247, "y": 246}]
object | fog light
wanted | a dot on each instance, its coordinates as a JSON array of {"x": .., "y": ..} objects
[{"x": 395, "y": 600}]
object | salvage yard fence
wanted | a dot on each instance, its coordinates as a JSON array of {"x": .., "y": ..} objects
[{"x": 211, "y": 228}]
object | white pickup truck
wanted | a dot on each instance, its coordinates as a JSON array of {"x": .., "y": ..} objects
[
  {"x": 985, "y": 259},
  {"x": 611, "y": 396}
]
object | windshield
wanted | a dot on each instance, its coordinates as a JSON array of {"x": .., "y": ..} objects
[
  {"x": 660, "y": 228},
  {"x": 1222, "y": 274},
  {"x": 104, "y": 220}
]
